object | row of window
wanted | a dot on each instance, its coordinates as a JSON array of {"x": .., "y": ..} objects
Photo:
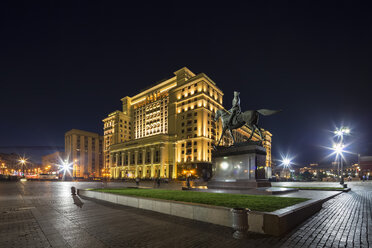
[
  {"x": 139, "y": 158},
  {"x": 212, "y": 92}
]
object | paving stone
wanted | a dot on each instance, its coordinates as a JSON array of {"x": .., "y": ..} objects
[{"x": 43, "y": 214}]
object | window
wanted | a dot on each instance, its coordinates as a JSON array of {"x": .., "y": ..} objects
[
  {"x": 195, "y": 150},
  {"x": 195, "y": 121},
  {"x": 195, "y": 114},
  {"x": 195, "y": 143},
  {"x": 183, "y": 145}
]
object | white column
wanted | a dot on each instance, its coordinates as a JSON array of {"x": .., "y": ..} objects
[
  {"x": 174, "y": 172},
  {"x": 117, "y": 159},
  {"x": 128, "y": 162},
  {"x": 144, "y": 156},
  {"x": 128, "y": 159},
  {"x": 162, "y": 161},
  {"x": 152, "y": 162},
  {"x": 144, "y": 168},
  {"x": 122, "y": 159},
  {"x": 136, "y": 162},
  {"x": 117, "y": 172}
]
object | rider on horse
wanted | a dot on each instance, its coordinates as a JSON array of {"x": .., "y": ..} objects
[{"x": 235, "y": 110}]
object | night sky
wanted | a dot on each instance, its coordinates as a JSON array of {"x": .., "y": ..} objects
[{"x": 67, "y": 64}]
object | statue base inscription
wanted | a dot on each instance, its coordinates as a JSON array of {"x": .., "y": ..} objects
[{"x": 242, "y": 166}]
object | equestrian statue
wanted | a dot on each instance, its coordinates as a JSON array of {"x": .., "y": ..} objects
[{"x": 234, "y": 118}]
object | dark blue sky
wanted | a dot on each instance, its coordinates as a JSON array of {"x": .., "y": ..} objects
[{"x": 67, "y": 65}]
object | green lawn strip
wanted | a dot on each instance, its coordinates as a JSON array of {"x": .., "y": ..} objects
[
  {"x": 261, "y": 203},
  {"x": 311, "y": 188}
]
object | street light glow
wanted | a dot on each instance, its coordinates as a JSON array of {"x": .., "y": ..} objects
[
  {"x": 23, "y": 160},
  {"x": 224, "y": 165},
  {"x": 338, "y": 148},
  {"x": 339, "y": 132},
  {"x": 286, "y": 162},
  {"x": 64, "y": 167}
]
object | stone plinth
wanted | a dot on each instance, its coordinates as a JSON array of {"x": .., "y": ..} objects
[{"x": 239, "y": 167}]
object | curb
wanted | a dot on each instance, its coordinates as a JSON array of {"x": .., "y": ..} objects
[{"x": 274, "y": 223}]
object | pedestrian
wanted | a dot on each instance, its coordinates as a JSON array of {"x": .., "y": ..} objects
[
  {"x": 158, "y": 181},
  {"x": 188, "y": 182},
  {"x": 137, "y": 181},
  {"x": 364, "y": 178}
]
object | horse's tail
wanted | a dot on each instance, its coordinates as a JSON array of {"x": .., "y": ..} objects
[{"x": 268, "y": 111}]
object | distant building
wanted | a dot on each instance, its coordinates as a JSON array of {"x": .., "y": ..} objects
[
  {"x": 365, "y": 165},
  {"x": 10, "y": 161},
  {"x": 168, "y": 129},
  {"x": 85, "y": 151},
  {"x": 51, "y": 162}
]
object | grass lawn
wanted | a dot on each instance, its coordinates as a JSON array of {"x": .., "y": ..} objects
[
  {"x": 312, "y": 188},
  {"x": 262, "y": 203}
]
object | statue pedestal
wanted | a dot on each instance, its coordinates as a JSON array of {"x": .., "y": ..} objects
[{"x": 239, "y": 167}]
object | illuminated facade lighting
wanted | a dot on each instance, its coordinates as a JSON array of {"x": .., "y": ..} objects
[{"x": 170, "y": 130}]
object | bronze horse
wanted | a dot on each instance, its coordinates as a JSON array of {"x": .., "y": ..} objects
[{"x": 249, "y": 117}]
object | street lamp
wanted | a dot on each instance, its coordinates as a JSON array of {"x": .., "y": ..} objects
[
  {"x": 286, "y": 162},
  {"x": 338, "y": 148},
  {"x": 23, "y": 161},
  {"x": 65, "y": 167},
  {"x": 341, "y": 132},
  {"x": 286, "y": 165}
]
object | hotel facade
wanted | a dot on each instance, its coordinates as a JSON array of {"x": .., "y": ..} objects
[{"x": 168, "y": 129}]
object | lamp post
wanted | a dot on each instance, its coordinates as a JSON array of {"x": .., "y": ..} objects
[
  {"x": 287, "y": 163},
  {"x": 23, "y": 161},
  {"x": 339, "y": 148}
]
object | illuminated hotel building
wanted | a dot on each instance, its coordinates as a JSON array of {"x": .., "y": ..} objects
[
  {"x": 85, "y": 151},
  {"x": 168, "y": 128}
]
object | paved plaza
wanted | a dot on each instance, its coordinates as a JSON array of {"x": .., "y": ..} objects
[{"x": 44, "y": 214}]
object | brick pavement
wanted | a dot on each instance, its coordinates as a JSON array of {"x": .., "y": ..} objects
[
  {"x": 36, "y": 214},
  {"x": 344, "y": 221}
]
